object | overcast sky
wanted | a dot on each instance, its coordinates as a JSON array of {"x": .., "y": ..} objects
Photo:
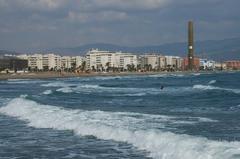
[{"x": 29, "y": 24}]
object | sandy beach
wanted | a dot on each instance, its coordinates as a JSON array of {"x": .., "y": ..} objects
[{"x": 44, "y": 75}]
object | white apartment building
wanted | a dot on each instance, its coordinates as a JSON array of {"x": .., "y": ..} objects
[
  {"x": 52, "y": 61},
  {"x": 71, "y": 61},
  {"x": 66, "y": 62},
  {"x": 46, "y": 62},
  {"x": 78, "y": 60},
  {"x": 207, "y": 64},
  {"x": 155, "y": 61},
  {"x": 122, "y": 60},
  {"x": 102, "y": 59},
  {"x": 99, "y": 59},
  {"x": 35, "y": 61},
  {"x": 174, "y": 61},
  {"x": 40, "y": 62}
]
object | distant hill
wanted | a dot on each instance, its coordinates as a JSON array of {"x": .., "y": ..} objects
[
  {"x": 226, "y": 49},
  {"x": 3, "y": 52},
  {"x": 213, "y": 49}
]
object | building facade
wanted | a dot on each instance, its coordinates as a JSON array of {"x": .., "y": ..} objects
[
  {"x": 35, "y": 61},
  {"x": 234, "y": 65},
  {"x": 174, "y": 62},
  {"x": 99, "y": 60},
  {"x": 152, "y": 62},
  {"x": 51, "y": 61},
  {"x": 206, "y": 64},
  {"x": 103, "y": 60},
  {"x": 124, "y": 60}
]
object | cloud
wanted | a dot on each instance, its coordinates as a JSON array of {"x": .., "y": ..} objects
[
  {"x": 130, "y": 4},
  {"x": 33, "y": 4},
  {"x": 102, "y": 16},
  {"x": 54, "y": 23}
]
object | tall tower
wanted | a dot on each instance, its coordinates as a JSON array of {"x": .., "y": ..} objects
[{"x": 190, "y": 46}]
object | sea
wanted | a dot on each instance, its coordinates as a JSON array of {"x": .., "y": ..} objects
[{"x": 161, "y": 116}]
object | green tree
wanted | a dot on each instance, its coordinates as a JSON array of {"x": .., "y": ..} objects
[{"x": 83, "y": 66}]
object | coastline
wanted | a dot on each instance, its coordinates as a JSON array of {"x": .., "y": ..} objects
[{"x": 47, "y": 75}]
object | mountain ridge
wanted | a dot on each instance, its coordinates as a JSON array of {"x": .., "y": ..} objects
[{"x": 226, "y": 49}]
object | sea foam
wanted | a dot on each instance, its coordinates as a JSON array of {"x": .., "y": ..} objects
[
  {"x": 24, "y": 81},
  {"x": 209, "y": 87},
  {"x": 212, "y": 82},
  {"x": 47, "y": 92},
  {"x": 117, "y": 127}
]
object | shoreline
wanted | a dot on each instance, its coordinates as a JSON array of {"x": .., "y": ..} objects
[{"x": 49, "y": 75}]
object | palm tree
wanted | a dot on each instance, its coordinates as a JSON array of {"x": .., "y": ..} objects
[
  {"x": 131, "y": 67},
  {"x": 107, "y": 65},
  {"x": 93, "y": 68},
  {"x": 83, "y": 66}
]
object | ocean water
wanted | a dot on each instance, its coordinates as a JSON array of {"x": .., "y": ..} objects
[{"x": 194, "y": 116}]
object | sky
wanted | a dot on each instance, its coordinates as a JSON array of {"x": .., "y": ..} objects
[{"x": 42, "y": 24}]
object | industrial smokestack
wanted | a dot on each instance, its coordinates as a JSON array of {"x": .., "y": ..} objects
[{"x": 190, "y": 46}]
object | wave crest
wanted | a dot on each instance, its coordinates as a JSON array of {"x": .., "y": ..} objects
[
  {"x": 116, "y": 126},
  {"x": 209, "y": 87}
]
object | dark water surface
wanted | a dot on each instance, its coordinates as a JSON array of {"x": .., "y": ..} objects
[{"x": 194, "y": 116}]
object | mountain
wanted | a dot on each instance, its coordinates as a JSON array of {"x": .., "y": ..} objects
[
  {"x": 3, "y": 52},
  {"x": 226, "y": 49}
]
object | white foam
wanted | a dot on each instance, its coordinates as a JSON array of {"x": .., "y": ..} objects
[
  {"x": 57, "y": 84},
  {"x": 108, "y": 77},
  {"x": 167, "y": 75},
  {"x": 118, "y": 127},
  {"x": 18, "y": 79},
  {"x": 235, "y": 108},
  {"x": 208, "y": 87},
  {"x": 65, "y": 90},
  {"x": 132, "y": 94},
  {"x": 121, "y": 91},
  {"x": 23, "y": 96},
  {"x": 201, "y": 119},
  {"x": 197, "y": 74},
  {"x": 212, "y": 82},
  {"x": 47, "y": 92},
  {"x": 23, "y": 81}
]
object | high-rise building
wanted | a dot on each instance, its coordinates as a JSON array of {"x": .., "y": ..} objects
[
  {"x": 123, "y": 60},
  {"x": 152, "y": 61},
  {"x": 101, "y": 60},
  {"x": 190, "y": 46}
]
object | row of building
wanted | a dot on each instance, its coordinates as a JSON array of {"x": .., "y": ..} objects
[
  {"x": 52, "y": 61},
  {"x": 96, "y": 60},
  {"x": 103, "y": 60}
]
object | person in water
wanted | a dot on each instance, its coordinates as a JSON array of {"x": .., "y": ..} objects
[{"x": 162, "y": 87}]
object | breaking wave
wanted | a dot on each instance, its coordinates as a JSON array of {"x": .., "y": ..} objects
[
  {"x": 57, "y": 84},
  {"x": 167, "y": 75},
  {"x": 23, "y": 81},
  {"x": 212, "y": 82},
  {"x": 196, "y": 74},
  {"x": 122, "y": 91},
  {"x": 47, "y": 92},
  {"x": 209, "y": 87},
  {"x": 115, "y": 89},
  {"x": 65, "y": 90},
  {"x": 122, "y": 127},
  {"x": 108, "y": 77}
]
